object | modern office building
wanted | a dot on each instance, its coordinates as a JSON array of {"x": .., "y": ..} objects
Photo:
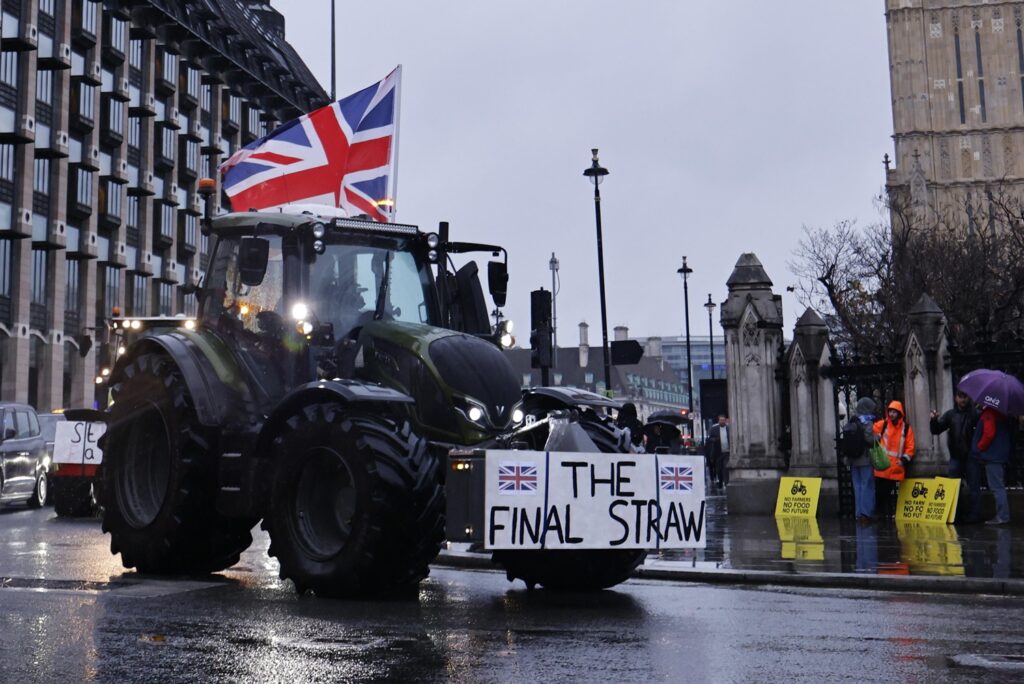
[
  {"x": 957, "y": 79},
  {"x": 109, "y": 113},
  {"x": 673, "y": 350}
]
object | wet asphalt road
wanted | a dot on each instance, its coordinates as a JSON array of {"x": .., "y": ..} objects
[{"x": 69, "y": 613}]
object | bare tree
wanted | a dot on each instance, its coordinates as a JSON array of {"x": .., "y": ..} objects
[{"x": 969, "y": 256}]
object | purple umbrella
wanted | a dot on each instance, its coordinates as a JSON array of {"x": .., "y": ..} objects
[{"x": 997, "y": 389}]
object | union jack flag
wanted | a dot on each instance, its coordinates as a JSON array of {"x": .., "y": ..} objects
[
  {"x": 516, "y": 478},
  {"x": 344, "y": 155},
  {"x": 676, "y": 478}
]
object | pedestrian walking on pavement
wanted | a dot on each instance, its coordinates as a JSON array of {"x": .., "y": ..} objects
[
  {"x": 897, "y": 438},
  {"x": 857, "y": 438},
  {"x": 959, "y": 422},
  {"x": 990, "y": 450},
  {"x": 718, "y": 446}
]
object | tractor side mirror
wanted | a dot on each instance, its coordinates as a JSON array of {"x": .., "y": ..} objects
[
  {"x": 252, "y": 260},
  {"x": 497, "y": 281}
]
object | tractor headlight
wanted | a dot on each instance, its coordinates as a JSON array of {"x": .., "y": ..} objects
[
  {"x": 432, "y": 256},
  {"x": 518, "y": 416},
  {"x": 304, "y": 328},
  {"x": 136, "y": 325},
  {"x": 319, "y": 230},
  {"x": 300, "y": 311},
  {"x": 318, "y": 246},
  {"x": 433, "y": 240},
  {"x": 473, "y": 410},
  {"x": 506, "y": 341},
  {"x": 190, "y": 324}
]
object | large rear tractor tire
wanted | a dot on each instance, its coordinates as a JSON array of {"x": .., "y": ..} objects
[
  {"x": 569, "y": 570},
  {"x": 160, "y": 478},
  {"x": 357, "y": 507}
]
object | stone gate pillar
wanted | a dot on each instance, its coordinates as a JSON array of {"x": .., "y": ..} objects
[
  {"x": 752, "y": 320},
  {"x": 812, "y": 409},
  {"x": 927, "y": 384}
]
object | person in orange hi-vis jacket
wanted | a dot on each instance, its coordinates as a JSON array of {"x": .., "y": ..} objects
[{"x": 897, "y": 438}]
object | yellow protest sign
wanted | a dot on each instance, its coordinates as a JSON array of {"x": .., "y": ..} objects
[
  {"x": 930, "y": 548},
  {"x": 948, "y": 488},
  {"x": 927, "y": 500},
  {"x": 800, "y": 538},
  {"x": 798, "y": 496}
]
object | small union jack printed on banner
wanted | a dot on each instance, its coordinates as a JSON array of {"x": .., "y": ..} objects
[
  {"x": 343, "y": 155},
  {"x": 517, "y": 478},
  {"x": 676, "y": 478}
]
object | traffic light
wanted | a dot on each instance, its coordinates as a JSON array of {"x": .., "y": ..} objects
[{"x": 540, "y": 329}]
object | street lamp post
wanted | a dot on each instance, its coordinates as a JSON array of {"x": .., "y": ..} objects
[
  {"x": 596, "y": 173},
  {"x": 553, "y": 265},
  {"x": 685, "y": 271},
  {"x": 710, "y": 306}
]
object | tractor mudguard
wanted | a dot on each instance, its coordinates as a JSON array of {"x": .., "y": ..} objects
[
  {"x": 321, "y": 391},
  {"x": 245, "y": 471},
  {"x": 210, "y": 396},
  {"x": 568, "y": 397}
]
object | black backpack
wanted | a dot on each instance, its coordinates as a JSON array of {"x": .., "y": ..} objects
[{"x": 851, "y": 441}]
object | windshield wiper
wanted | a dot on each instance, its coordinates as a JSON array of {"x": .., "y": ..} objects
[{"x": 382, "y": 290}]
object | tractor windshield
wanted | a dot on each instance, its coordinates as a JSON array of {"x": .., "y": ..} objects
[{"x": 352, "y": 284}]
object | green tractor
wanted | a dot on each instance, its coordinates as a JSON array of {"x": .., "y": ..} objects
[{"x": 334, "y": 365}]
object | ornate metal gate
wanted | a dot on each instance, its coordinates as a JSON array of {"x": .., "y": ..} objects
[{"x": 852, "y": 379}]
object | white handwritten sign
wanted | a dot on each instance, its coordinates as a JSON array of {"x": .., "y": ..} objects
[
  {"x": 568, "y": 500},
  {"x": 76, "y": 442}
]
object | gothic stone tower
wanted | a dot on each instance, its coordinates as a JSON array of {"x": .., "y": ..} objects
[{"x": 957, "y": 78}]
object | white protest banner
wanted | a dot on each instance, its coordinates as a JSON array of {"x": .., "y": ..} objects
[
  {"x": 77, "y": 442},
  {"x": 568, "y": 500}
]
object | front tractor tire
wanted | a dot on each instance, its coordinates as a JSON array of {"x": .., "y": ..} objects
[
  {"x": 357, "y": 506},
  {"x": 160, "y": 472},
  {"x": 571, "y": 570}
]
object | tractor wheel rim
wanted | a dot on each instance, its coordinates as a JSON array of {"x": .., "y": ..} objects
[
  {"x": 143, "y": 480},
  {"x": 325, "y": 504}
]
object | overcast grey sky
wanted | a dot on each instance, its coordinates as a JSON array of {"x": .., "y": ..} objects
[{"x": 726, "y": 126}]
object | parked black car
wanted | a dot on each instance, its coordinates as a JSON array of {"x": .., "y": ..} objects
[{"x": 23, "y": 461}]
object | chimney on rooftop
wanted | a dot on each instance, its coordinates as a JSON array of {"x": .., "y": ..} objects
[{"x": 621, "y": 333}]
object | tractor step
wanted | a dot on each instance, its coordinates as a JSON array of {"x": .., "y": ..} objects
[{"x": 238, "y": 492}]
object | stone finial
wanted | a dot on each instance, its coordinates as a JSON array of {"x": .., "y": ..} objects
[
  {"x": 928, "y": 323},
  {"x": 750, "y": 286},
  {"x": 811, "y": 335},
  {"x": 810, "y": 321},
  {"x": 748, "y": 274}
]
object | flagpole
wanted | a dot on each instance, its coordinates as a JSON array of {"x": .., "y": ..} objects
[
  {"x": 398, "y": 118},
  {"x": 334, "y": 59}
]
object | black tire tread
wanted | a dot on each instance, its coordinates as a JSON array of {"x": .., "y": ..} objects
[
  {"x": 71, "y": 498},
  {"x": 188, "y": 536},
  {"x": 403, "y": 530}
]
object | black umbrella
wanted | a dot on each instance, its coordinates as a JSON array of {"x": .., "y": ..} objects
[{"x": 667, "y": 416}]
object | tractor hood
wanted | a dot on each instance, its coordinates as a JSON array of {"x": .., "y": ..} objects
[{"x": 464, "y": 387}]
